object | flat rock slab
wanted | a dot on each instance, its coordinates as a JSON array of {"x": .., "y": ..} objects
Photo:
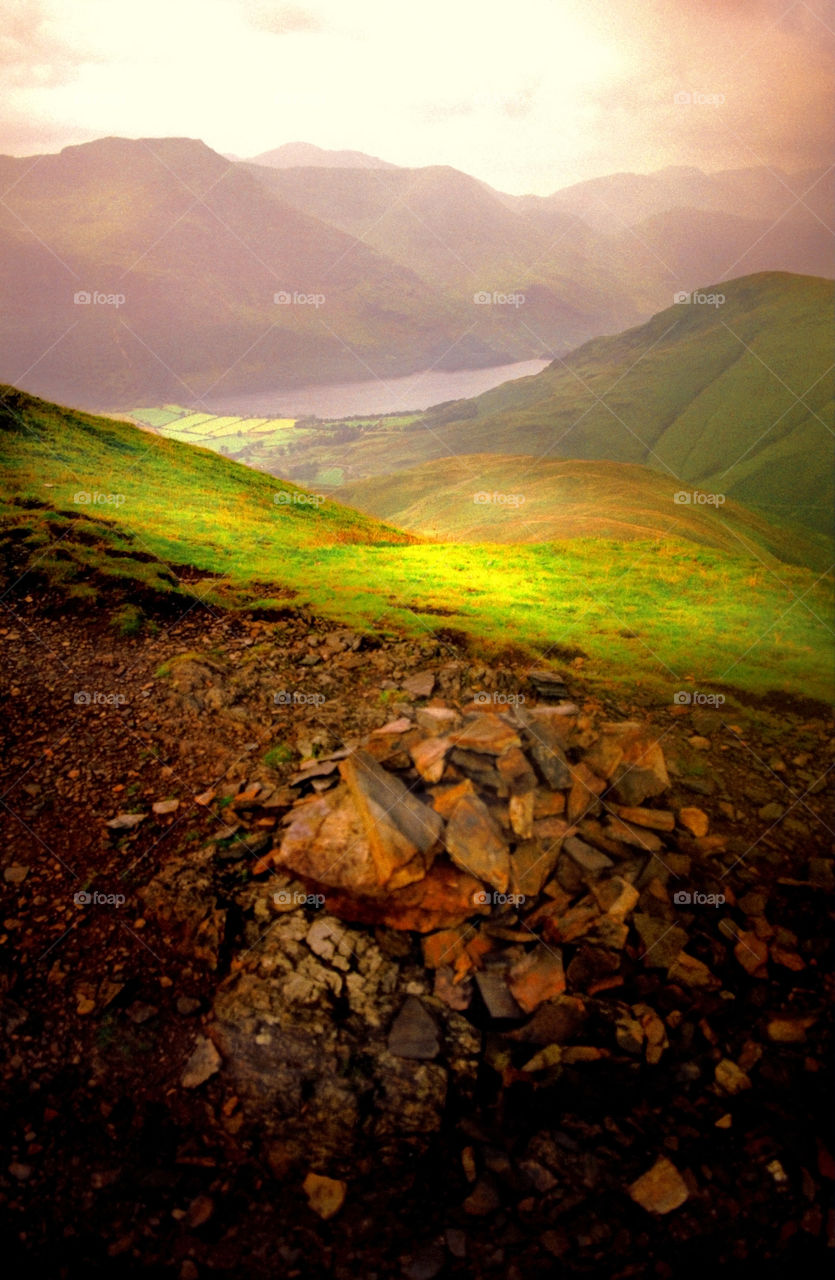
[
  {"x": 476, "y": 844},
  {"x": 327, "y": 843},
  {"x": 586, "y": 858},
  {"x": 663, "y": 942},
  {"x": 586, "y": 786},
  {"x": 515, "y": 772},
  {"x": 532, "y": 864},
  {"x": 397, "y": 825},
  {"x": 437, "y": 721},
  {"x": 548, "y": 738},
  {"x": 637, "y": 837},
  {"x": 548, "y": 684},
  {"x": 489, "y": 734},
  {"x": 325, "y": 1196},
  {"x": 655, "y": 819},
  {"x": 163, "y": 807},
  {"x": 429, "y": 757},
  {"x": 420, "y": 685},
  {"x": 414, "y": 1032},
  {"x": 126, "y": 821}
]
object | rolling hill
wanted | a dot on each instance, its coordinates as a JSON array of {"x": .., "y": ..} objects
[
  {"x": 734, "y": 399},
  {"x": 495, "y": 498}
]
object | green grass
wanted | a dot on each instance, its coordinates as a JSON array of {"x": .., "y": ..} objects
[
  {"x": 546, "y": 501},
  {"x": 700, "y": 615}
]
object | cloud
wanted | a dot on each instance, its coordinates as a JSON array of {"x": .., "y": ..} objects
[{"x": 34, "y": 52}]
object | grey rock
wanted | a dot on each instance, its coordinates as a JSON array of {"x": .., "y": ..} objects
[
  {"x": 494, "y": 991},
  {"x": 587, "y": 859},
  {"x": 414, "y": 1032}
]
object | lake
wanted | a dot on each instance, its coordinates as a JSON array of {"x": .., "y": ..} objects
[{"x": 345, "y": 399}]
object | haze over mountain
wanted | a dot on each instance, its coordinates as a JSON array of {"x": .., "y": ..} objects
[
  {"x": 626, "y": 199},
  {"x": 609, "y": 251},
  {"x": 380, "y": 271},
  {"x": 294, "y": 154},
  {"x": 198, "y": 251}
]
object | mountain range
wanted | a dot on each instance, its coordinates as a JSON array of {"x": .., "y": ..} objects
[{"x": 177, "y": 256}]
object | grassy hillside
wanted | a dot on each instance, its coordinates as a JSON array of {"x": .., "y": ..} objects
[
  {"x": 194, "y": 527},
  {"x": 735, "y": 399},
  {"x": 498, "y": 498}
]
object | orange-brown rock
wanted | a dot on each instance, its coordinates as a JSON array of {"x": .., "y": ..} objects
[
  {"x": 752, "y": 954},
  {"x": 531, "y": 864},
  {"x": 326, "y": 843},
  {"x": 632, "y": 760},
  {"x": 655, "y": 819},
  {"x": 488, "y": 734},
  {"x": 402, "y": 831},
  {"x": 617, "y": 897},
  {"x": 690, "y": 972},
  {"x": 443, "y": 947},
  {"x": 515, "y": 772},
  {"x": 520, "y": 813},
  {"x": 567, "y": 926},
  {"x": 694, "y": 820},
  {"x": 476, "y": 844},
  {"x": 429, "y": 756},
  {"x": 638, "y": 837},
  {"x": 445, "y": 897},
  {"x": 548, "y": 804},
  {"x": 537, "y": 977},
  {"x": 444, "y": 799},
  {"x": 661, "y": 1189},
  {"x": 586, "y": 786}
]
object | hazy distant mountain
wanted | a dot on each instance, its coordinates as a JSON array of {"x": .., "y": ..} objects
[
  {"x": 460, "y": 236},
  {"x": 624, "y": 199},
  {"x": 198, "y": 250},
  {"x": 692, "y": 246},
  {"x": 304, "y": 154},
  {"x": 379, "y": 271},
  {"x": 589, "y": 260}
]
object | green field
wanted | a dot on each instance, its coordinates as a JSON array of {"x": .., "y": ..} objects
[
  {"x": 176, "y": 422},
  {"x": 651, "y": 614}
]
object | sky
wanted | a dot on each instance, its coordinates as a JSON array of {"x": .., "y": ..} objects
[{"x": 529, "y": 96}]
